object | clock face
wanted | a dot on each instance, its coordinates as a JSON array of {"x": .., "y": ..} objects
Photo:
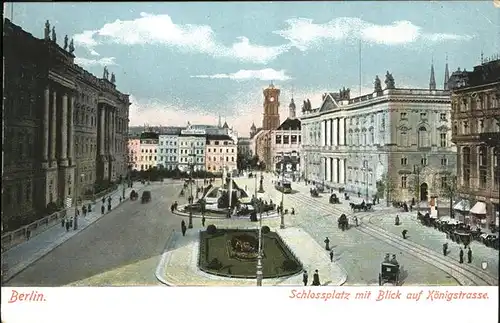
[{"x": 271, "y": 99}]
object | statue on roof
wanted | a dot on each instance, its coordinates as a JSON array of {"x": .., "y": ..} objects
[
  {"x": 377, "y": 84},
  {"x": 113, "y": 79},
  {"x": 71, "y": 46},
  {"x": 47, "y": 30},
  {"x": 54, "y": 36},
  {"x": 105, "y": 73},
  {"x": 389, "y": 81},
  {"x": 345, "y": 94},
  {"x": 65, "y": 42}
]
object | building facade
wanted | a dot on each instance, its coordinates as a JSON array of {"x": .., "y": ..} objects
[
  {"x": 65, "y": 129},
  {"x": 134, "y": 153},
  {"x": 149, "y": 150},
  {"x": 286, "y": 144},
  {"x": 169, "y": 143},
  {"x": 476, "y": 132},
  {"x": 221, "y": 153},
  {"x": 401, "y": 137},
  {"x": 191, "y": 149},
  {"x": 245, "y": 147}
]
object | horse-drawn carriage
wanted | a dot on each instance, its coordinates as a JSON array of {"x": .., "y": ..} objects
[
  {"x": 363, "y": 206},
  {"x": 314, "y": 192},
  {"x": 320, "y": 188},
  {"x": 343, "y": 222},
  {"x": 134, "y": 195},
  {"x": 389, "y": 273},
  {"x": 334, "y": 199}
]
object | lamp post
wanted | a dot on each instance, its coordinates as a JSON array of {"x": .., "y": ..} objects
[
  {"x": 75, "y": 225},
  {"x": 365, "y": 171},
  {"x": 259, "y": 255},
  {"x": 416, "y": 171},
  {"x": 258, "y": 165},
  {"x": 191, "y": 167},
  {"x": 282, "y": 217}
]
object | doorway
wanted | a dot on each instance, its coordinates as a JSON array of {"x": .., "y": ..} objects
[{"x": 423, "y": 192}]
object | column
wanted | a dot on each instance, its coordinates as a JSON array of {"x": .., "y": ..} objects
[
  {"x": 328, "y": 132},
  {"x": 323, "y": 168},
  {"x": 328, "y": 169},
  {"x": 110, "y": 134},
  {"x": 336, "y": 170},
  {"x": 53, "y": 127},
  {"x": 342, "y": 122},
  {"x": 46, "y": 125},
  {"x": 323, "y": 126},
  {"x": 102, "y": 132},
  {"x": 64, "y": 129},
  {"x": 342, "y": 171},
  {"x": 335, "y": 131},
  {"x": 71, "y": 131}
]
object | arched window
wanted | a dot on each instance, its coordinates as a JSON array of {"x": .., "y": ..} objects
[
  {"x": 404, "y": 139},
  {"x": 372, "y": 136},
  {"x": 466, "y": 156},
  {"x": 423, "y": 137},
  {"x": 495, "y": 157},
  {"x": 483, "y": 156}
]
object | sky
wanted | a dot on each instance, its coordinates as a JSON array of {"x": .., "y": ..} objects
[{"x": 197, "y": 61}]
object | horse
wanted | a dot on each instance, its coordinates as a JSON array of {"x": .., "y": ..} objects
[{"x": 358, "y": 207}]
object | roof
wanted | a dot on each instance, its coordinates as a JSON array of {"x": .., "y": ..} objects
[
  {"x": 329, "y": 102},
  {"x": 149, "y": 135},
  {"x": 219, "y": 137},
  {"x": 171, "y": 131},
  {"x": 290, "y": 124},
  {"x": 225, "y": 125},
  {"x": 192, "y": 135}
]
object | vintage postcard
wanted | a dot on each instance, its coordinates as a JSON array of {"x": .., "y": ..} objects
[{"x": 250, "y": 144}]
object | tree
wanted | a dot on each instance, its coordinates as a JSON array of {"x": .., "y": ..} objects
[
  {"x": 449, "y": 190},
  {"x": 243, "y": 161},
  {"x": 385, "y": 187}
]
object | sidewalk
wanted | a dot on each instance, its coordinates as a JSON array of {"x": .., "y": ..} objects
[{"x": 21, "y": 256}]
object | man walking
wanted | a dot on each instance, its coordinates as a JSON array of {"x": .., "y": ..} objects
[
  {"x": 331, "y": 255},
  {"x": 103, "y": 209},
  {"x": 327, "y": 243},
  {"x": 203, "y": 220},
  {"x": 316, "y": 279},
  {"x": 461, "y": 256},
  {"x": 404, "y": 233},
  {"x": 305, "y": 277},
  {"x": 445, "y": 249},
  {"x": 183, "y": 228},
  {"x": 469, "y": 255}
]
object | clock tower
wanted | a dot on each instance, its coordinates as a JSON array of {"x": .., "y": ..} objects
[{"x": 271, "y": 119}]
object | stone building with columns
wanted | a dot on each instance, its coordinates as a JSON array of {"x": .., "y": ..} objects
[
  {"x": 400, "y": 135},
  {"x": 63, "y": 126}
]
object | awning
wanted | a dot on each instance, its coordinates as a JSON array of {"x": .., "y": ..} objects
[
  {"x": 463, "y": 205},
  {"x": 479, "y": 208}
]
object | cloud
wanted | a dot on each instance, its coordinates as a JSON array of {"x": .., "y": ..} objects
[
  {"x": 304, "y": 34},
  {"x": 105, "y": 61},
  {"x": 94, "y": 53},
  {"x": 267, "y": 74},
  {"x": 190, "y": 38}
]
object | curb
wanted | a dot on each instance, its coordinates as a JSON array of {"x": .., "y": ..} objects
[
  {"x": 160, "y": 268},
  {"x": 42, "y": 253},
  {"x": 196, "y": 216}
]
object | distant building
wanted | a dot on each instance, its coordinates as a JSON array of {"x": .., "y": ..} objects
[
  {"x": 221, "y": 152},
  {"x": 245, "y": 147},
  {"x": 168, "y": 147},
  {"x": 191, "y": 149},
  {"x": 397, "y": 137},
  {"x": 476, "y": 132},
  {"x": 149, "y": 150},
  {"x": 134, "y": 153}
]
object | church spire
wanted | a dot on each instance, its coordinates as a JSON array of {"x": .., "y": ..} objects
[
  {"x": 292, "y": 108},
  {"x": 220, "y": 122},
  {"x": 446, "y": 75},
  {"x": 432, "y": 82}
]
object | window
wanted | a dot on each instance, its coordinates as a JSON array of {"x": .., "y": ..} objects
[
  {"x": 278, "y": 140},
  {"x": 216, "y": 143},
  {"x": 404, "y": 180},
  {"x": 442, "y": 137},
  {"x": 482, "y": 178},
  {"x": 480, "y": 126},
  {"x": 442, "y": 116},
  {"x": 483, "y": 156},
  {"x": 423, "y": 137},
  {"x": 423, "y": 116},
  {"x": 286, "y": 140},
  {"x": 404, "y": 139},
  {"x": 294, "y": 139},
  {"x": 423, "y": 161},
  {"x": 403, "y": 116},
  {"x": 444, "y": 182},
  {"x": 372, "y": 137},
  {"x": 404, "y": 161},
  {"x": 465, "y": 127},
  {"x": 444, "y": 161},
  {"x": 466, "y": 156}
]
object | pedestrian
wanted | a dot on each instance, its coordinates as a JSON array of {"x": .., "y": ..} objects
[
  {"x": 109, "y": 200},
  {"x": 183, "y": 228},
  {"x": 316, "y": 279},
  {"x": 62, "y": 222},
  {"x": 469, "y": 255},
  {"x": 356, "y": 220},
  {"x": 293, "y": 211},
  {"x": 404, "y": 233},
  {"x": 109, "y": 207},
  {"x": 305, "y": 277},
  {"x": 203, "y": 220},
  {"x": 28, "y": 234},
  {"x": 327, "y": 243},
  {"x": 67, "y": 226},
  {"x": 411, "y": 208},
  {"x": 461, "y": 256},
  {"x": 172, "y": 208},
  {"x": 103, "y": 199},
  {"x": 445, "y": 249},
  {"x": 84, "y": 210},
  {"x": 89, "y": 208},
  {"x": 103, "y": 209},
  {"x": 331, "y": 255},
  {"x": 120, "y": 199}
]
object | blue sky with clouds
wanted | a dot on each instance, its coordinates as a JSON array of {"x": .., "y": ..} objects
[{"x": 196, "y": 61}]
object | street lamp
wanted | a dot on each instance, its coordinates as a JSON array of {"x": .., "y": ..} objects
[
  {"x": 82, "y": 176},
  {"x": 191, "y": 167},
  {"x": 258, "y": 165},
  {"x": 259, "y": 255},
  {"x": 282, "y": 224},
  {"x": 365, "y": 171}
]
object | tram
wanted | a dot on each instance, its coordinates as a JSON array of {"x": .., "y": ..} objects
[{"x": 284, "y": 186}]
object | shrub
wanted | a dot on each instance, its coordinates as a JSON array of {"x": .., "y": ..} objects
[
  {"x": 265, "y": 229},
  {"x": 214, "y": 264},
  {"x": 211, "y": 229},
  {"x": 289, "y": 265}
]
